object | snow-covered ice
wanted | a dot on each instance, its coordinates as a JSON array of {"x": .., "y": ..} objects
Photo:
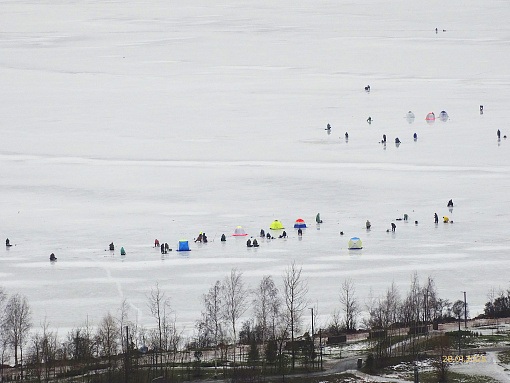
[{"x": 132, "y": 121}]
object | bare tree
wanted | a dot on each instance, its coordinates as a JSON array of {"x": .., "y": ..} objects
[
  {"x": 160, "y": 309},
  {"x": 349, "y": 304},
  {"x": 4, "y": 340},
  {"x": 108, "y": 338},
  {"x": 234, "y": 301},
  {"x": 295, "y": 291},
  {"x": 16, "y": 325}
]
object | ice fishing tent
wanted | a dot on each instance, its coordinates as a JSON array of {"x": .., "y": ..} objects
[
  {"x": 183, "y": 246},
  {"x": 410, "y": 117},
  {"x": 299, "y": 224},
  {"x": 431, "y": 117},
  {"x": 355, "y": 243},
  {"x": 276, "y": 225},
  {"x": 239, "y": 232},
  {"x": 443, "y": 116}
]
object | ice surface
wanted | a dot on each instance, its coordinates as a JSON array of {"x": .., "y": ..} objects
[{"x": 132, "y": 121}]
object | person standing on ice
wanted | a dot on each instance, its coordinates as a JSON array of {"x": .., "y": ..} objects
[
  {"x": 499, "y": 135},
  {"x": 368, "y": 225},
  {"x": 369, "y": 119},
  {"x": 393, "y": 226},
  {"x": 436, "y": 218}
]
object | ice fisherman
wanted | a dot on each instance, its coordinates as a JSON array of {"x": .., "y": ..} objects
[
  {"x": 318, "y": 218},
  {"x": 223, "y": 238},
  {"x": 255, "y": 242},
  {"x": 204, "y": 238},
  {"x": 450, "y": 203},
  {"x": 436, "y": 218},
  {"x": 328, "y": 127},
  {"x": 162, "y": 248},
  {"x": 346, "y": 135},
  {"x": 368, "y": 225},
  {"x": 111, "y": 246},
  {"x": 299, "y": 232},
  {"x": 248, "y": 243},
  {"x": 52, "y": 257},
  {"x": 499, "y": 135},
  {"x": 369, "y": 119},
  {"x": 262, "y": 233},
  {"x": 397, "y": 140},
  {"x": 415, "y": 136},
  {"x": 383, "y": 138},
  {"x": 156, "y": 243},
  {"x": 393, "y": 226},
  {"x": 7, "y": 243},
  {"x": 199, "y": 238},
  {"x": 446, "y": 219}
]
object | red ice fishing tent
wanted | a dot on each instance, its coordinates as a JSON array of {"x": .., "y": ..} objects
[{"x": 299, "y": 224}]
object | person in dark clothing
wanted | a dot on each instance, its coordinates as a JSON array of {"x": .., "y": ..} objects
[
  {"x": 262, "y": 233},
  {"x": 166, "y": 247},
  {"x": 328, "y": 127},
  {"x": 397, "y": 140},
  {"x": 112, "y": 247},
  {"x": 223, "y": 238},
  {"x": 255, "y": 243},
  {"x": 7, "y": 243},
  {"x": 499, "y": 135},
  {"x": 481, "y": 109},
  {"x": 268, "y": 236},
  {"x": 346, "y": 135},
  {"x": 450, "y": 203},
  {"x": 384, "y": 138},
  {"x": 436, "y": 218},
  {"x": 299, "y": 232},
  {"x": 369, "y": 119},
  {"x": 284, "y": 234},
  {"x": 162, "y": 248},
  {"x": 415, "y": 136},
  {"x": 52, "y": 257},
  {"x": 204, "y": 238},
  {"x": 393, "y": 226},
  {"x": 248, "y": 243},
  {"x": 199, "y": 238}
]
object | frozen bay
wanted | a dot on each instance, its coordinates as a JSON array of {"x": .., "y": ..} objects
[{"x": 130, "y": 122}]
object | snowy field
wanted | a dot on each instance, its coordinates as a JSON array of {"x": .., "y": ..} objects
[{"x": 130, "y": 121}]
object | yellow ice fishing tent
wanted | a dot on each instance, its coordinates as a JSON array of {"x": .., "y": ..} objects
[
  {"x": 355, "y": 243},
  {"x": 276, "y": 225}
]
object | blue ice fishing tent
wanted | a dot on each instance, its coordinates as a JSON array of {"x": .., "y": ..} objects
[
  {"x": 183, "y": 246},
  {"x": 300, "y": 224}
]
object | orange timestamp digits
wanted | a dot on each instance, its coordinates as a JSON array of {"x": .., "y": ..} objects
[{"x": 475, "y": 358}]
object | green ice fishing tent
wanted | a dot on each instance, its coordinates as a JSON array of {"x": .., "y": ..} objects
[{"x": 355, "y": 244}]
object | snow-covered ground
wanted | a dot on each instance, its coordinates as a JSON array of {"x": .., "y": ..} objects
[{"x": 130, "y": 121}]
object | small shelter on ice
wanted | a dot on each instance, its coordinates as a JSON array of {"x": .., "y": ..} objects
[
  {"x": 239, "y": 232},
  {"x": 299, "y": 224},
  {"x": 431, "y": 117},
  {"x": 410, "y": 117},
  {"x": 183, "y": 246},
  {"x": 355, "y": 243},
  {"x": 276, "y": 225},
  {"x": 443, "y": 116}
]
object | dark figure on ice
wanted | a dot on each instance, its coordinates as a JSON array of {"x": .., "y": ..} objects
[
  {"x": 499, "y": 135},
  {"x": 397, "y": 140},
  {"x": 248, "y": 243},
  {"x": 368, "y": 225},
  {"x": 204, "y": 238},
  {"x": 52, "y": 257},
  {"x": 199, "y": 238},
  {"x": 318, "y": 218},
  {"x": 415, "y": 136},
  {"x": 156, "y": 243},
  {"x": 481, "y": 109},
  {"x": 223, "y": 238},
  {"x": 436, "y": 218},
  {"x": 346, "y": 136},
  {"x": 369, "y": 119},
  {"x": 255, "y": 243},
  {"x": 262, "y": 233},
  {"x": 299, "y": 232},
  {"x": 367, "y": 88},
  {"x": 268, "y": 236},
  {"x": 167, "y": 248},
  {"x": 162, "y": 248},
  {"x": 328, "y": 127},
  {"x": 7, "y": 243},
  {"x": 383, "y": 138},
  {"x": 393, "y": 226},
  {"x": 112, "y": 247},
  {"x": 450, "y": 203}
]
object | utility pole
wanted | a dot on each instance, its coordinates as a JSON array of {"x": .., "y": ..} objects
[
  {"x": 313, "y": 343},
  {"x": 465, "y": 310}
]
